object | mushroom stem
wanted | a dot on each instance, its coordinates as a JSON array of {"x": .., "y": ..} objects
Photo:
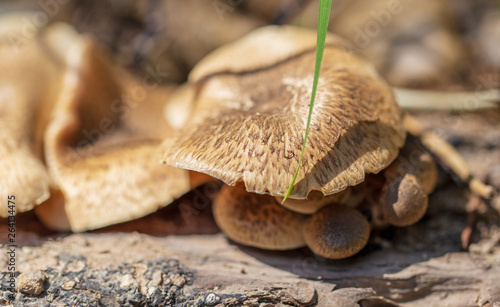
[
  {"x": 448, "y": 156},
  {"x": 424, "y": 99},
  {"x": 314, "y": 201},
  {"x": 196, "y": 179}
]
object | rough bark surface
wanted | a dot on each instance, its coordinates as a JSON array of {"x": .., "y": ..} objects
[{"x": 175, "y": 257}]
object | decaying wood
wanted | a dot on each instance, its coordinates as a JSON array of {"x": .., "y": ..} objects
[
  {"x": 106, "y": 267},
  {"x": 169, "y": 264}
]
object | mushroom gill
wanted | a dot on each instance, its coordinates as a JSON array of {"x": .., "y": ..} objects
[{"x": 315, "y": 201}]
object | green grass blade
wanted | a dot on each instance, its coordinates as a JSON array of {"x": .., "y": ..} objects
[{"x": 323, "y": 18}]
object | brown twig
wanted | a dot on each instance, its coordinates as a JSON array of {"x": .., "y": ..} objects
[
  {"x": 425, "y": 99},
  {"x": 472, "y": 208},
  {"x": 448, "y": 156}
]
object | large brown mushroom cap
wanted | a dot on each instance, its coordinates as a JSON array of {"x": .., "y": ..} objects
[
  {"x": 257, "y": 220},
  {"x": 249, "y": 117}
]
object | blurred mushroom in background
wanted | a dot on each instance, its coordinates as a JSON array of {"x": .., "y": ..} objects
[
  {"x": 79, "y": 132},
  {"x": 412, "y": 44},
  {"x": 31, "y": 76},
  {"x": 440, "y": 44},
  {"x": 187, "y": 30},
  {"x": 274, "y": 12},
  {"x": 480, "y": 29}
]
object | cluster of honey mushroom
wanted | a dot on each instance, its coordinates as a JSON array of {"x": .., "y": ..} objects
[{"x": 87, "y": 145}]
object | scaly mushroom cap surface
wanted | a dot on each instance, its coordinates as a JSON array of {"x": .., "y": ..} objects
[
  {"x": 252, "y": 99},
  {"x": 100, "y": 145},
  {"x": 336, "y": 232},
  {"x": 257, "y": 220}
]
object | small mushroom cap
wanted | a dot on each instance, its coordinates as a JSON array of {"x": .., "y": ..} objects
[
  {"x": 414, "y": 160},
  {"x": 315, "y": 201},
  {"x": 248, "y": 122},
  {"x": 336, "y": 232},
  {"x": 403, "y": 201},
  {"x": 257, "y": 220},
  {"x": 100, "y": 146}
]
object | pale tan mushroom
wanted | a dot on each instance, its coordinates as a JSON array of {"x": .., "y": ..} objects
[
  {"x": 257, "y": 220},
  {"x": 26, "y": 95},
  {"x": 336, "y": 232},
  {"x": 252, "y": 99},
  {"x": 100, "y": 145},
  {"x": 179, "y": 106}
]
